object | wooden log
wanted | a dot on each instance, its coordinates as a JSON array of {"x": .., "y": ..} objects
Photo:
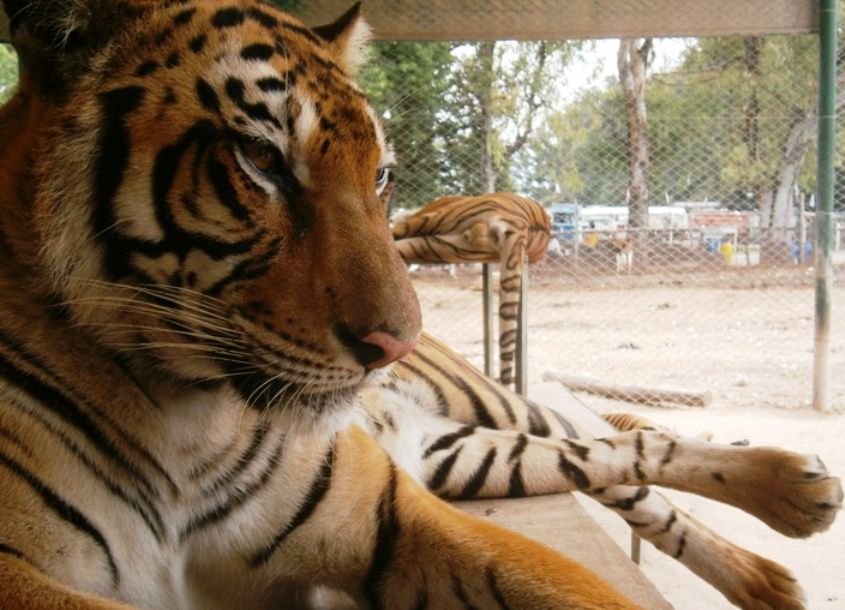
[{"x": 630, "y": 393}]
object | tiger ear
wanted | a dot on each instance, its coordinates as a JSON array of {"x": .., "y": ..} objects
[
  {"x": 347, "y": 38},
  {"x": 56, "y": 39},
  {"x": 64, "y": 26}
]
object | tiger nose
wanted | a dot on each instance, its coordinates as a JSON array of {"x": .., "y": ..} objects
[
  {"x": 377, "y": 349},
  {"x": 391, "y": 349}
]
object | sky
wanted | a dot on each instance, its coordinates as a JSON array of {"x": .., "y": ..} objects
[{"x": 597, "y": 65}]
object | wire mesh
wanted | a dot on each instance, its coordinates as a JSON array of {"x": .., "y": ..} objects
[{"x": 697, "y": 277}]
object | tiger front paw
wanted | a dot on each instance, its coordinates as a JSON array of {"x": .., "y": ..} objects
[
  {"x": 794, "y": 494},
  {"x": 758, "y": 583}
]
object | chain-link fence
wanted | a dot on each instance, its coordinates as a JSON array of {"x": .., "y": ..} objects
[{"x": 679, "y": 175}]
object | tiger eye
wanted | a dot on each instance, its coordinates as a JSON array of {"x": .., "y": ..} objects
[{"x": 262, "y": 156}]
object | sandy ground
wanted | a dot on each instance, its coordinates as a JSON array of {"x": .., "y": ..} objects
[
  {"x": 747, "y": 339},
  {"x": 749, "y": 344}
]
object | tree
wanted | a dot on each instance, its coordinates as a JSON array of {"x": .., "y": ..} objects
[
  {"x": 774, "y": 81},
  {"x": 635, "y": 56},
  {"x": 459, "y": 114},
  {"x": 510, "y": 85},
  {"x": 407, "y": 82},
  {"x": 521, "y": 96}
]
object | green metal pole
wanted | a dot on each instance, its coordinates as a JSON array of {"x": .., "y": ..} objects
[{"x": 824, "y": 205}]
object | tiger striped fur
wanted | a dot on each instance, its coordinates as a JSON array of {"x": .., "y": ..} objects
[
  {"x": 625, "y": 422},
  {"x": 500, "y": 228},
  {"x": 481, "y": 440},
  {"x": 194, "y": 411}
]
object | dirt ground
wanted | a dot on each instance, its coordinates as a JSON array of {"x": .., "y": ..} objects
[
  {"x": 749, "y": 343},
  {"x": 746, "y": 338}
]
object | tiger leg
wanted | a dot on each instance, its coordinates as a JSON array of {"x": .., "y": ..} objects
[
  {"x": 23, "y": 587},
  {"x": 397, "y": 546},
  {"x": 792, "y": 493},
  {"x": 744, "y": 578},
  {"x": 435, "y": 381},
  {"x": 625, "y": 422},
  {"x": 472, "y": 563},
  {"x": 459, "y": 464}
]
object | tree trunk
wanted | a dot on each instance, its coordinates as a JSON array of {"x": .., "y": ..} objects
[
  {"x": 801, "y": 135},
  {"x": 765, "y": 201},
  {"x": 489, "y": 176},
  {"x": 777, "y": 211},
  {"x": 751, "y": 127},
  {"x": 633, "y": 60}
]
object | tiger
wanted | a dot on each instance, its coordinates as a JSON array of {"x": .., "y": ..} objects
[
  {"x": 503, "y": 228},
  {"x": 483, "y": 440},
  {"x": 200, "y": 306}
]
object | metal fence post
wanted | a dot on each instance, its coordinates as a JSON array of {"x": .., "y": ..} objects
[
  {"x": 802, "y": 229},
  {"x": 487, "y": 300},
  {"x": 824, "y": 210},
  {"x": 636, "y": 548}
]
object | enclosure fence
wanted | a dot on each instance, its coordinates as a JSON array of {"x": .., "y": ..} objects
[{"x": 714, "y": 292}]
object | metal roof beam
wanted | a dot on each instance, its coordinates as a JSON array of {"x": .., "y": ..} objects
[
  {"x": 559, "y": 19},
  {"x": 567, "y": 19}
]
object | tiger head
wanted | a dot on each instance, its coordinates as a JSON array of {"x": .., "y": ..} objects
[{"x": 201, "y": 178}]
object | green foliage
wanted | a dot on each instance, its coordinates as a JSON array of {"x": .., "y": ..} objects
[
  {"x": 407, "y": 83},
  {"x": 448, "y": 105},
  {"x": 8, "y": 72},
  {"x": 781, "y": 94},
  {"x": 701, "y": 116}
]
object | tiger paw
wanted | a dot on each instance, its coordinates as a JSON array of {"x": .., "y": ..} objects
[
  {"x": 755, "y": 583},
  {"x": 794, "y": 494}
]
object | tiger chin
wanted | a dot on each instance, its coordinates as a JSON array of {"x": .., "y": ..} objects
[{"x": 197, "y": 277}]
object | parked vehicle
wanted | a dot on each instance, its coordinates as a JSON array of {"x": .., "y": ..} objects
[{"x": 565, "y": 220}]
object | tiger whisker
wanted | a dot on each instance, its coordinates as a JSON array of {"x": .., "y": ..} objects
[
  {"x": 188, "y": 322},
  {"x": 199, "y": 357},
  {"x": 130, "y": 304},
  {"x": 189, "y": 333},
  {"x": 205, "y": 304},
  {"x": 209, "y": 351},
  {"x": 147, "y": 345},
  {"x": 261, "y": 387}
]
